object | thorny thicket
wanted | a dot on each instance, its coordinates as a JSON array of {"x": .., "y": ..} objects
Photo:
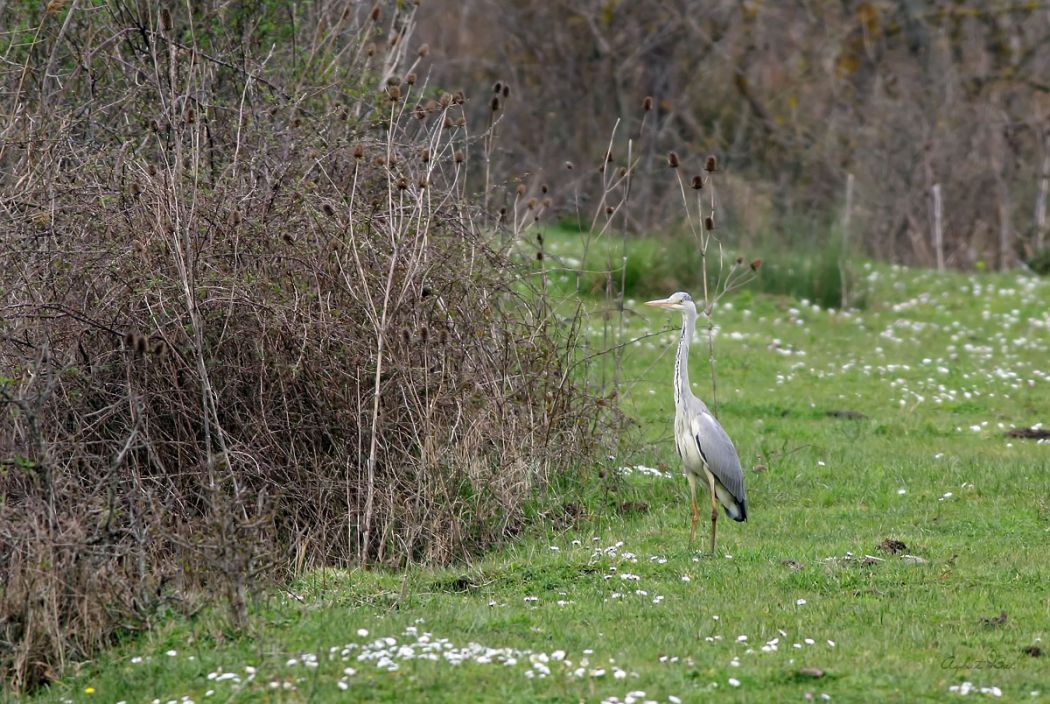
[{"x": 250, "y": 322}]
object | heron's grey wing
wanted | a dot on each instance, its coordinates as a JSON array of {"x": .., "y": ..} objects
[{"x": 717, "y": 450}]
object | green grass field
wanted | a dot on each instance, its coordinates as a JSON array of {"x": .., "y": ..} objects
[{"x": 864, "y": 426}]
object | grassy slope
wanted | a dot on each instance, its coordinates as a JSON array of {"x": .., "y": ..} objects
[{"x": 904, "y": 632}]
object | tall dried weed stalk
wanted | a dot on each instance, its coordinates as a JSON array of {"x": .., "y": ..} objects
[{"x": 250, "y": 322}]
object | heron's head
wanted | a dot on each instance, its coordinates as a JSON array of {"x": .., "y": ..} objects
[{"x": 680, "y": 301}]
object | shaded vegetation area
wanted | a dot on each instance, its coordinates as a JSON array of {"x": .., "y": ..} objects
[{"x": 251, "y": 322}]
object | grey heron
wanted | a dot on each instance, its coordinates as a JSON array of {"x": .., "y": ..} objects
[{"x": 706, "y": 451}]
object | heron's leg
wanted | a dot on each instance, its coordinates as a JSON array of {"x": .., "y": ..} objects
[
  {"x": 692, "y": 502},
  {"x": 714, "y": 510}
]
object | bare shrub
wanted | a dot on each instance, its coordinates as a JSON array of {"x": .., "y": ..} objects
[{"x": 246, "y": 326}]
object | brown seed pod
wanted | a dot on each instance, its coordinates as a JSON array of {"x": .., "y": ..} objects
[
  {"x": 394, "y": 92},
  {"x": 191, "y": 116},
  {"x": 495, "y": 104},
  {"x": 711, "y": 166},
  {"x": 141, "y": 344},
  {"x": 423, "y": 50},
  {"x": 420, "y": 114},
  {"x": 672, "y": 159},
  {"x": 461, "y": 122},
  {"x": 406, "y": 337},
  {"x": 371, "y": 50},
  {"x": 410, "y": 79},
  {"x": 159, "y": 349},
  {"x": 543, "y": 188},
  {"x": 359, "y": 151},
  {"x": 520, "y": 189},
  {"x": 328, "y": 209},
  {"x": 449, "y": 124},
  {"x": 445, "y": 100},
  {"x": 647, "y": 104},
  {"x": 497, "y": 88},
  {"x": 393, "y": 81},
  {"x": 539, "y": 238},
  {"x": 424, "y": 155},
  {"x": 135, "y": 188},
  {"x": 422, "y": 182},
  {"x": 506, "y": 92},
  {"x": 165, "y": 19},
  {"x": 532, "y": 203},
  {"x": 609, "y": 210},
  {"x": 459, "y": 97},
  {"x": 539, "y": 256},
  {"x": 756, "y": 264},
  {"x": 458, "y": 157},
  {"x": 153, "y": 126},
  {"x": 709, "y": 223},
  {"x": 402, "y": 184},
  {"x": 547, "y": 202},
  {"x": 739, "y": 260},
  {"x": 374, "y": 14},
  {"x": 698, "y": 183},
  {"x": 569, "y": 166}
]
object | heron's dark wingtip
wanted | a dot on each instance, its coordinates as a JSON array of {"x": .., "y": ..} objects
[{"x": 738, "y": 512}]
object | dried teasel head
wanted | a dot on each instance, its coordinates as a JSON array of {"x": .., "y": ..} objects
[
  {"x": 420, "y": 114},
  {"x": 422, "y": 182},
  {"x": 709, "y": 223},
  {"x": 328, "y": 209},
  {"x": 497, "y": 87},
  {"x": 411, "y": 78},
  {"x": 371, "y": 50},
  {"x": 543, "y": 188},
  {"x": 532, "y": 203},
  {"x": 423, "y": 50},
  {"x": 739, "y": 260},
  {"x": 539, "y": 256},
  {"x": 711, "y": 165},
  {"x": 647, "y": 104},
  {"x": 394, "y": 92},
  {"x": 393, "y": 81},
  {"x": 406, "y": 337},
  {"x": 495, "y": 104},
  {"x": 609, "y": 210},
  {"x": 458, "y": 157},
  {"x": 375, "y": 13},
  {"x": 165, "y": 19},
  {"x": 459, "y": 97},
  {"x": 141, "y": 344},
  {"x": 461, "y": 122},
  {"x": 159, "y": 348},
  {"x": 359, "y": 151},
  {"x": 424, "y": 155},
  {"x": 547, "y": 202},
  {"x": 672, "y": 159},
  {"x": 402, "y": 184},
  {"x": 569, "y": 166},
  {"x": 539, "y": 238},
  {"x": 520, "y": 190},
  {"x": 756, "y": 264},
  {"x": 506, "y": 91},
  {"x": 698, "y": 183},
  {"x": 445, "y": 100}
]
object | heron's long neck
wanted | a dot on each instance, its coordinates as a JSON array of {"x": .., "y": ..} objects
[{"x": 681, "y": 362}]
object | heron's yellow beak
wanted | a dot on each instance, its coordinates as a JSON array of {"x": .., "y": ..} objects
[{"x": 661, "y": 303}]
